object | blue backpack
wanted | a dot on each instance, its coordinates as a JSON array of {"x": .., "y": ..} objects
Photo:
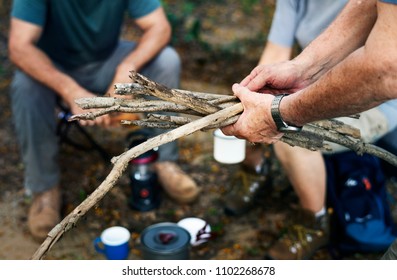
[{"x": 357, "y": 197}]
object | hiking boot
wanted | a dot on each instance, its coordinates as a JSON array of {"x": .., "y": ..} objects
[
  {"x": 249, "y": 183},
  {"x": 301, "y": 241},
  {"x": 176, "y": 183},
  {"x": 44, "y": 213}
]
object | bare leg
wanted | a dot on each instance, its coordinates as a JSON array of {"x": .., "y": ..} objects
[{"x": 305, "y": 170}]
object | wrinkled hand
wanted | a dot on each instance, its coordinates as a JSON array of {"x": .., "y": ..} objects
[
  {"x": 283, "y": 77},
  {"x": 255, "y": 123},
  {"x": 103, "y": 121}
]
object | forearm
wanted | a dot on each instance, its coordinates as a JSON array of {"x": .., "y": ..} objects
[
  {"x": 274, "y": 53},
  {"x": 147, "y": 48},
  {"x": 37, "y": 64},
  {"x": 156, "y": 35},
  {"x": 363, "y": 80},
  {"x": 347, "y": 33},
  {"x": 335, "y": 94}
]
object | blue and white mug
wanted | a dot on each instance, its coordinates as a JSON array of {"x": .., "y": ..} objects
[{"x": 113, "y": 243}]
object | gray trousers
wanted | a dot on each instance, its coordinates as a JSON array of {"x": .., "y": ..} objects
[{"x": 33, "y": 108}]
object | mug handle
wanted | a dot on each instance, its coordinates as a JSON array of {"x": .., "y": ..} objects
[{"x": 98, "y": 248}]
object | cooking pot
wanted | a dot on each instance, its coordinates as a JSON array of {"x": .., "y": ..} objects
[{"x": 165, "y": 241}]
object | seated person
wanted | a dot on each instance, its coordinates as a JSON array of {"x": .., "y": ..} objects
[
  {"x": 301, "y": 22},
  {"x": 70, "y": 50}
]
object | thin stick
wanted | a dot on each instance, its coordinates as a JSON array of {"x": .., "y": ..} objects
[{"x": 120, "y": 164}]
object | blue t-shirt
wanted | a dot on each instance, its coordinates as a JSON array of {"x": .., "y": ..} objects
[
  {"x": 76, "y": 32},
  {"x": 389, "y": 1}
]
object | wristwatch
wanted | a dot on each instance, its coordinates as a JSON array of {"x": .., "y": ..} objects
[{"x": 282, "y": 126}]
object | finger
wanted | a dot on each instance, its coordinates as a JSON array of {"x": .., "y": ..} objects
[
  {"x": 101, "y": 121},
  {"x": 239, "y": 90},
  {"x": 107, "y": 121},
  {"x": 228, "y": 130},
  {"x": 246, "y": 81}
]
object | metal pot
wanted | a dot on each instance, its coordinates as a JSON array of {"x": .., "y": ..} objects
[{"x": 165, "y": 241}]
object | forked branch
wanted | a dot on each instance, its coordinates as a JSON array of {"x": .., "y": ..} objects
[{"x": 208, "y": 111}]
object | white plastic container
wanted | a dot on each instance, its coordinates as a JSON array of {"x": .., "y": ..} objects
[{"x": 228, "y": 149}]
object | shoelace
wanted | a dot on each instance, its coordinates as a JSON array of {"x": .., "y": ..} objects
[
  {"x": 245, "y": 178},
  {"x": 296, "y": 237}
]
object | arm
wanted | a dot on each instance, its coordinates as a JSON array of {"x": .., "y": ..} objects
[
  {"x": 347, "y": 33},
  {"x": 365, "y": 79},
  {"x": 274, "y": 53},
  {"x": 156, "y": 35},
  {"x": 34, "y": 62},
  {"x": 361, "y": 81}
]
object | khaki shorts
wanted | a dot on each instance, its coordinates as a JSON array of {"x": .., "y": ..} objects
[{"x": 372, "y": 125}]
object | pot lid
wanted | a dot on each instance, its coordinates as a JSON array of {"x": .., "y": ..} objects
[{"x": 165, "y": 238}]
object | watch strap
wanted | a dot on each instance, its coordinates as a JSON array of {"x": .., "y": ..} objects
[{"x": 278, "y": 120}]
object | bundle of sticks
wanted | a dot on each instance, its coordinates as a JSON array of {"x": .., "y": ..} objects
[
  {"x": 202, "y": 111},
  {"x": 154, "y": 100}
]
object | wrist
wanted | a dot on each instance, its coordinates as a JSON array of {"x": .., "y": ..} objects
[
  {"x": 282, "y": 123},
  {"x": 67, "y": 87}
]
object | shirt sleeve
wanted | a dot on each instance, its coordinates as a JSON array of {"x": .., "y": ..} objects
[
  {"x": 140, "y": 8},
  {"x": 389, "y": 1},
  {"x": 33, "y": 11},
  {"x": 284, "y": 23}
]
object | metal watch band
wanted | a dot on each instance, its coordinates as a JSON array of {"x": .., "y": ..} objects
[{"x": 278, "y": 120}]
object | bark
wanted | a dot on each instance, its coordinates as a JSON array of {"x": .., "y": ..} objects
[{"x": 213, "y": 110}]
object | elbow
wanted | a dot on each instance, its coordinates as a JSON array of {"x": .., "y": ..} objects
[
  {"x": 14, "y": 51},
  {"x": 11, "y": 51},
  {"x": 167, "y": 32}
]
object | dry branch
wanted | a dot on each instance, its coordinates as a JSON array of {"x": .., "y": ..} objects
[
  {"x": 216, "y": 111},
  {"x": 120, "y": 164},
  {"x": 313, "y": 137}
]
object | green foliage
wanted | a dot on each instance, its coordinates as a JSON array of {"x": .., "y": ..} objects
[
  {"x": 186, "y": 27},
  {"x": 248, "y": 4},
  {"x": 188, "y": 19}
]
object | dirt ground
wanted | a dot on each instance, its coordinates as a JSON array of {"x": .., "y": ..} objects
[{"x": 214, "y": 70}]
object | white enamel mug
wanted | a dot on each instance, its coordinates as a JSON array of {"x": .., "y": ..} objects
[{"x": 228, "y": 149}]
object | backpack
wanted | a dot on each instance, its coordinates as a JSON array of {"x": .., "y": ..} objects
[{"x": 357, "y": 197}]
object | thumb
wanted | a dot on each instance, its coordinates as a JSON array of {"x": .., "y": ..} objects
[{"x": 239, "y": 90}]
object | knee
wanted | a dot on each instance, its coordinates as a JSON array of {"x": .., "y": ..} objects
[
  {"x": 28, "y": 91},
  {"x": 169, "y": 61},
  {"x": 289, "y": 155},
  {"x": 28, "y": 95}
]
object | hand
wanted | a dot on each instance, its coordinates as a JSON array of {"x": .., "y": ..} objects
[
  {"x": 255, "y": 123},
  {"x": 283, "y": 77},
  {"x": 122, "y": 75},
  {"x": 103, "y": 121}
]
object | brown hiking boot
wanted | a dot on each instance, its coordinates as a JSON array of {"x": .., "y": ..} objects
[
  {"x": 44, "y": 213},
  {"x": 301, "y": 241},
  {"x": 176, "y": 183},
  {"x": 249, "y": 184}
]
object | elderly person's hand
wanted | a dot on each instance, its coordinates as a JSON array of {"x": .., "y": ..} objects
[
  {"x": 255, "y": 123},
  {"x": 283, "y": 77}
]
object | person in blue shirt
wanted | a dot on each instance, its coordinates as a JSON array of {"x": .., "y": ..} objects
[
  {"x": 72, "y": 49},
  {"x": 349, "y": 68}
]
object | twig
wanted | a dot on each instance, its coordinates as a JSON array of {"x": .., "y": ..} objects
[
  {"x": 120, "y": 164},
  {"x": 312, "y": 137},
  {"x": 178, "y": 97},
  {"x": 356, "y": 145}
]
